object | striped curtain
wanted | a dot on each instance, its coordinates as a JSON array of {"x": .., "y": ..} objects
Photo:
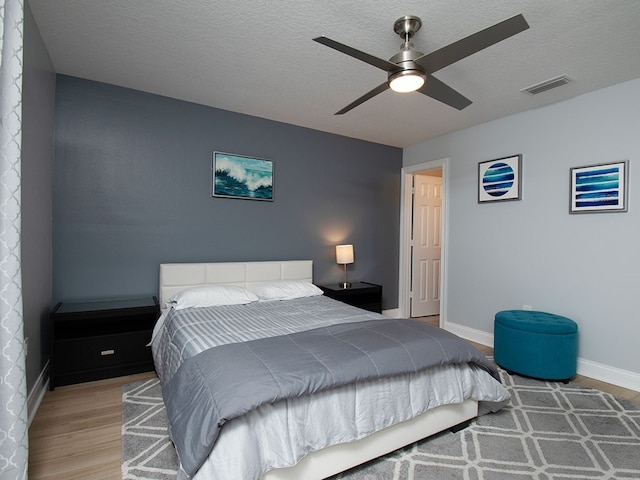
[{"x": 13, "y": 387}]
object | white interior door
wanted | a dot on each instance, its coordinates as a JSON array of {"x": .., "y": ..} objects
[{"x": 426, "y": 246}]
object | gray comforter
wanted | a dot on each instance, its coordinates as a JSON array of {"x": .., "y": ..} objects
[{"x": 227, "y": 381}]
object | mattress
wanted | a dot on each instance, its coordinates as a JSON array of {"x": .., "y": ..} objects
[{"x": 280, "y": 434}]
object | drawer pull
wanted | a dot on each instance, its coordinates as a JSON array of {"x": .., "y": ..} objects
[{"x": 107, "y": 352}]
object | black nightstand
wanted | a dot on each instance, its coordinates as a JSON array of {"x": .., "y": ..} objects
[
  {"x": 360, "y": 294},
  {"x": 96, "y": 340}
]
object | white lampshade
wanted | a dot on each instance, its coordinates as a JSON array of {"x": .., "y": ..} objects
[
  {"x": 344, "y": 254},
  {"x": 407, "y": 81}
]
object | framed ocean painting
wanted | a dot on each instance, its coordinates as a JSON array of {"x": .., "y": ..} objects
[
  {"x": 500, "y": 179},
  {"x": 599, "y": 188},
  {"x": 237, "y": 176}
]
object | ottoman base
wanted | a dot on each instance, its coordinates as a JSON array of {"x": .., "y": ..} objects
[{"x": 536, "y": 344}]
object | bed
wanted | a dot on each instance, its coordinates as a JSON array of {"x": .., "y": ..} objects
[{"x": 311, "y": 435}]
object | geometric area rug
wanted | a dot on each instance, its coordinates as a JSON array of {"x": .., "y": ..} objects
[{"x": 549, "y": 431}]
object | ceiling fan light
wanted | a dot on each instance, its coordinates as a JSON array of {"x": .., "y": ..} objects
[{"x": 406, "y": 81}]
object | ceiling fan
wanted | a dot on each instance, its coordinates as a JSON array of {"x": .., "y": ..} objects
[{"x": 411, "y": 70}]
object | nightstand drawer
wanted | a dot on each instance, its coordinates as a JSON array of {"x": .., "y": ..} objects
[
  {"x": 372, "y": 307},
  {"x": 358, "y": 299},
  {"x": 80, "y": 354}
]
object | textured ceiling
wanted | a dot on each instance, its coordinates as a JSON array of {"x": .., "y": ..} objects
[{"x": 257, "y": 57}]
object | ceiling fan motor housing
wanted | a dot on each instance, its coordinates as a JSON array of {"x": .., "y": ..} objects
[{"x": 406, "y": 59}]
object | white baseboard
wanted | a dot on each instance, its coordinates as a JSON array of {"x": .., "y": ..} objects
[
  {"x": 37, "y": 393},
  {"x": 478, "y": 336},
  {"x": 597, "y": 371},
  {"x": 393, "y": 313},
  {"x": 613, "y": 375}
]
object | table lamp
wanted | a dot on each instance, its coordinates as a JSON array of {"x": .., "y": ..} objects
[{"x": 344, "y": 255}]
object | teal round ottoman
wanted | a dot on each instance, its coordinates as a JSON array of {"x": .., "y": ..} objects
[{"x": 536, "y": 344}]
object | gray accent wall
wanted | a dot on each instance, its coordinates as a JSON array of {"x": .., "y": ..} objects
[
  {"x": 38, "y": 101},
  {"x": 533, "y": 252},
  {"x": 133, "y": 182}
]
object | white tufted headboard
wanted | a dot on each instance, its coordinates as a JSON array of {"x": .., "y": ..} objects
[{"x": 175, "y": 277}]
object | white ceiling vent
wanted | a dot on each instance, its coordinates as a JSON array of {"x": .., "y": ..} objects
[{"x": 547, "y": 85}]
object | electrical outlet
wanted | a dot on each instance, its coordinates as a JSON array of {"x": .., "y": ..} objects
[{"x": 527, "y": 307}]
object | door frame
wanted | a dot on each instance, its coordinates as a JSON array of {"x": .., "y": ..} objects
[{"x": 406, "y": 211}]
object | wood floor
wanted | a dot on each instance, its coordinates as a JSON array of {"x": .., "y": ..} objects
[{"x": 76, "y": 432}]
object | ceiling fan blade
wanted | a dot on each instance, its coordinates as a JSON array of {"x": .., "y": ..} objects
[
  {"x": 440, "y": 91},
  {"x": 379, "y": 89},
  {"x": 434, "y": 61},
  {"x": 365, "y": 57}
]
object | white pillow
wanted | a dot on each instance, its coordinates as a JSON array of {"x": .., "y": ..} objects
[
  {"x": 284, "y": 290},
  {"x": 211, "y": 296}
]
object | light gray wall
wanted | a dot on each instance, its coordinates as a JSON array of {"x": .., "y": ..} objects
[
  {"x": 38, "y": 89},
  {"x": 504, "y": 255},
  {"x": 132, "y": 189}
]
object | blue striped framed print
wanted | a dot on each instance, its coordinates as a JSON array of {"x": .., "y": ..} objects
[
  {"x": 599, "y": 188},
  {"x": 500, "y": 179}
]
